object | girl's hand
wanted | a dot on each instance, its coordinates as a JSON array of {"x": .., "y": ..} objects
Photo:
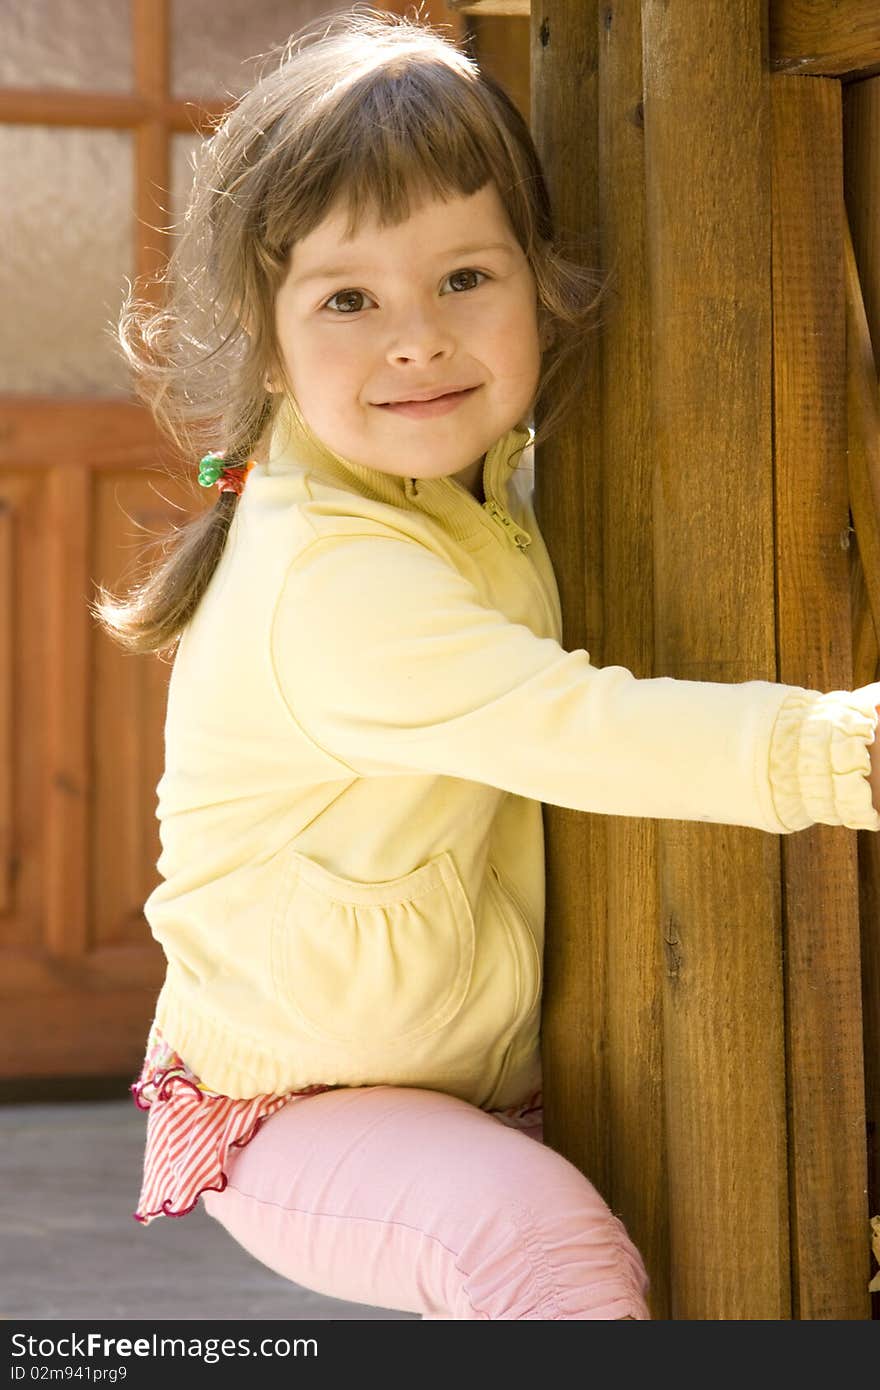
[{"x": 874, "y": 754}]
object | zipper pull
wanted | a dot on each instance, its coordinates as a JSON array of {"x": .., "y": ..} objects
[{"x": 517, "y": 536}]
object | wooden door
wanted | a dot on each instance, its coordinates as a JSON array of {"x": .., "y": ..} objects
[{"x": 101, "y": 103}]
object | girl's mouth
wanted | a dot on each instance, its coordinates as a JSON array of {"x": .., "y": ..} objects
[{"x": 426, "y": 410}]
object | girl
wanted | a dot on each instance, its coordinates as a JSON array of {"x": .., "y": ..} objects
[{"x": 370, "y": 700}]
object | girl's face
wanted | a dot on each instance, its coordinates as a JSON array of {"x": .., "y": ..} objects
[{"x": 445, "y": 300}]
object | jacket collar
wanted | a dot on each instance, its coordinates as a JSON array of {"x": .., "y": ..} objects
[{"x": 294, "y": 445}]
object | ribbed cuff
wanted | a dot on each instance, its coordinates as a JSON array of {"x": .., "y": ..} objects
[{"x": 819, "y": 759}]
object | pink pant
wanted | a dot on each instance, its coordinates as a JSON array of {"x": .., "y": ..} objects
[{"x": 412, "y": 1199}]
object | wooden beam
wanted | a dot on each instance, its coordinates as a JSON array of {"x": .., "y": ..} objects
[
  {"x": 35, "y": 428},
  {"x": 152, "y": 237},
  {"x": 491, "y": 7},
  {"x": 7, "y": 707},
  {"x": 807, "y": 37},
  {"x": 822, "y": 969},
  {"x": 707, "y": 164},
  {"x": 67, "y": 804},
  {"x": 864, "y": 434},
  {"x": 110, "y": 112},
  {"x": 568, "y": 504},
  {"x": 861, "y": 192},
  {"x": 634, "y": 944},
  {"x": 817, "y": 39},
  {"x": 861, "y": 131}
]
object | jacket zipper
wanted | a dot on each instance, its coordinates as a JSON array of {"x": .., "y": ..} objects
[
  {"x": 518, "y": 538},
  {"x": 515, "y": 534}
]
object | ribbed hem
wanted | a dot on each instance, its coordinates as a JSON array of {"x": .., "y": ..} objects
[
  {"x": 819, "y": 759},
  {"x": 232, "y": 1063},
  {"x": 226, "y": 1061}
]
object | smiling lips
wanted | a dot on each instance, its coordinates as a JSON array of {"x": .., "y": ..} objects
[{"x": 426, "y": 409}]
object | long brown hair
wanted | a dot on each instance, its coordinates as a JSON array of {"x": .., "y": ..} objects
[{"x": 366, "y": 109}]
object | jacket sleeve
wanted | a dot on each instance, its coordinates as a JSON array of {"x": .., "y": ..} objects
[{"x": 390, "y": 662}]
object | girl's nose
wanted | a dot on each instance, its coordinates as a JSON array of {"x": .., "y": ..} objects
[{"x": 420, "y": 339}]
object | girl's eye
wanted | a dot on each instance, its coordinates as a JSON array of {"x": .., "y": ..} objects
[
  {"x": 344, "y": 294},
  {"x": 456, "y": 273},
  {"x": 359, "y": 294}
]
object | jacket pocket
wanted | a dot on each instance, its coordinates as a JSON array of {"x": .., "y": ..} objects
[{"x": 368, "y": 963}]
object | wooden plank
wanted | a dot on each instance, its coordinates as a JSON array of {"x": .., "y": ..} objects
[
  {"x": 822, "y": 970},
  {"x": 863, "y": 404},
  {"x": 53, "y": 107},
  {"x": 861, "y": 192},
  {"x": 112, "y": 967},
  {"x": 708, "y": 227},
  {"x": 806, "y": 37},
  {"x": 7, "y": 708},
  {"x": 866, "y": 653},
  {"x": 94, "y": 1034},
  {"x": 25, "y": 501},
  {"x": 38, "y": 430},
  {"x": 105, "y": 111},
  {"x": 861, "y": 132},
  {"x": 132, "y": 511},
  {"x": 68, "y": 773},
  {"x": 567, "y": 493},
  {"x": 495, "y": 8},
  {"x": 635, "y": 956},
  {"x": 869, "y": 903},
  {"x": 501, "y": 48},
  {"x": 151, "y": 233},
  {"x": 817, "y": 39},
  {"x": 863, "y": 453}
]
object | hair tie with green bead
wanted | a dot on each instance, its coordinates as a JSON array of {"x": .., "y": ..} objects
[{"x": 213, "y": 469}]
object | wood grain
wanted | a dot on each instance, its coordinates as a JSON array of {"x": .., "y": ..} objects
[
  {"x": 707, "y": 131},
  {"x": 568, "y": 502},
  {"x": 817, "y": 39},
  {"x": 68, "y": 768},
  {"x": 822, "y": 969},
  {"x": 635, "y": 958},
  {"x": 7, "y": 706},
  {"x": 861, "y": 140}
]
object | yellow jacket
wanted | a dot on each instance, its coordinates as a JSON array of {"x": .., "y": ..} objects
[{"x": 364, "y": 717}]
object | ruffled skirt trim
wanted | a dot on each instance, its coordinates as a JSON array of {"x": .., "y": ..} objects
[{"x": 190, "y": 1130}]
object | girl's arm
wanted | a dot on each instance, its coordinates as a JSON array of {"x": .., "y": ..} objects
[
  {"x": 874, "y": 754},
  {"x": 391, "y": 662}
]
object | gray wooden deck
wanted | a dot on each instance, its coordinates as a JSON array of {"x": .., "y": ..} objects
[{"x": 69, "y": 1180}]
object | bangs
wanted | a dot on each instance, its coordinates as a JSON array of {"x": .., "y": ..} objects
[
  {"x": 391, "y": 140},
  {"x": 414, "y": 141}
]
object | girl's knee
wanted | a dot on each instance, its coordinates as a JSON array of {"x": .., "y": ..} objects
[
  {"x": 547, "y": 1246},
  {"x": 551, "y": 1256}
]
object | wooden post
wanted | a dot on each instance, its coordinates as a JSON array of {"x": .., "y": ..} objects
[
  {"x": 568, "y": 500},
  {"x": 861, "y": 133},
  {"x": 707, "y": 128},
  {"x": 826, "y": 1096},
  {"x": 711, "y": 511},
  {"x": 635, "y": 957}
]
